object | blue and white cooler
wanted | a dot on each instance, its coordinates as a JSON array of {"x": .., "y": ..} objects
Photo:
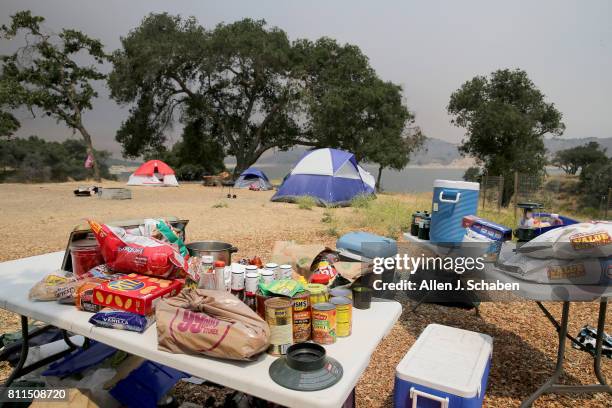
[
  {"x": 445, "y": 368},
  {"x": 452, "y": 200}
]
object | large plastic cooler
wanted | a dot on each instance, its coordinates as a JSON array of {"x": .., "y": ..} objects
[
  {"x": 452, "y": 200},
  {"x": 446, "y": 367}
]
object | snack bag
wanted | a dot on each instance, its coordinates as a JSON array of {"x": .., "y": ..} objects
[
  {"x": 210, "y": 322},
  {"x": 122, "y": 320},
  {"x": 124, "y": 252},
  {"x": 84, "y": 297},
  {"x": 576, "y": 241},
  {"x": 283, "y": 287},
  {"x": 52, "y": 286}
]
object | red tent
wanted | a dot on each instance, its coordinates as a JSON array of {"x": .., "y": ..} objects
[
  {"x": 148, "y": 168},
  {"x": 153, "y": 173}
]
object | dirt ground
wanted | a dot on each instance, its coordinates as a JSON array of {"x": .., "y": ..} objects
[{"x": 37, "y": 218}]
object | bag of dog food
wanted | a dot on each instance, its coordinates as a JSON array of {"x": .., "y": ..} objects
[
  {"x": 210, "y": 322},
  {"x": 124, "y": 252},
  {"x": 576, "y": 241}
]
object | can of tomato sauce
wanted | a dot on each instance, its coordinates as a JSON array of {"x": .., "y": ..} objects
[
  {"x": 324, "y": 323},
  {"x": 279, "y": 318},
  {"x": 344, "y": 315},
  {"x": 301, "y": 317}
]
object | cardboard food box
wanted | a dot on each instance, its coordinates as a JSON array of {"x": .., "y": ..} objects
[
  {"x": 135, "y": 293},
  {"x": 83, "y": 231}
]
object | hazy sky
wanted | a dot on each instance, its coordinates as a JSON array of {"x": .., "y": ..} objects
[{"x": 429, "y": 47}]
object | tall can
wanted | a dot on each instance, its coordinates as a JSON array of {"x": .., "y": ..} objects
[
  {"x": 267, "y": 276},
  {"x": 279, "y": 318},
  {"x": 344, "y": 315},
  {"x": 324, "y": 323},
  {"x": 318, "y": 293},
  {"x": 301, "y": 317}
]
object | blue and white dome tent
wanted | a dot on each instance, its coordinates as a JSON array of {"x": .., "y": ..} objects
[
  {"x": 253, "y": 178},
  {"x": 331, "y": 176}
]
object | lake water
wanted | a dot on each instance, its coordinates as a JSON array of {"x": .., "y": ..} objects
[{"x": 411, "y": 179}]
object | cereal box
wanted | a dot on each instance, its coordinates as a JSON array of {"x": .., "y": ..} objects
[{"x": 135, "y": 293}]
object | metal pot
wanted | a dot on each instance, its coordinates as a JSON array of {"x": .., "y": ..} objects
[{"x": 220, "y": 251}]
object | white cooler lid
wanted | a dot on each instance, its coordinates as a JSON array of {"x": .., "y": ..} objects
[
  {"x": 457, "y": 184},
  {"x": 447, "y": 359}
]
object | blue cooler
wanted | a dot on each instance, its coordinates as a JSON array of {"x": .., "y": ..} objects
[
  {"x": 445, "y": 368},
  {"x": 452, "y": 200}
]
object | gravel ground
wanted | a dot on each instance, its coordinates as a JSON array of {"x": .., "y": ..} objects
[{"x": 37, "y": 218}]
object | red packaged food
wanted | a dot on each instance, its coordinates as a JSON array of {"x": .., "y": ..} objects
[
  {"x": 124, "y": 252},
  {"x": 135, "y": 293}
]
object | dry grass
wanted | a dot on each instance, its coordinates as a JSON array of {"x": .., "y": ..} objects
[{"x": 36, "y": 219}]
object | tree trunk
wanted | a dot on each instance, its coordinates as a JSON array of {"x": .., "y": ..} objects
[
  {"x": 90, "y": 150},
  {"x": 378, "y": 179}
]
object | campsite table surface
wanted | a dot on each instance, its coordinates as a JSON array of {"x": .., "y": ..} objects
[
  {"x": 540, "y": 292},
  {"x": 353, "y": 352}
]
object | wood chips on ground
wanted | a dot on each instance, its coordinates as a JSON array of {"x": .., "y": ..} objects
[{"x": 37, "y": 219}]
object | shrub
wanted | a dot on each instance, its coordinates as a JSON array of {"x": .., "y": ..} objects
[
  {"x": 306, "y": 202},
  {"x": 362, "y": 201},
  {"x": 220, "y": 204}
]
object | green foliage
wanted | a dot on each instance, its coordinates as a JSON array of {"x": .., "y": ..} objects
[
  {"x": 350, "y": 108},
  {"x": 505, "y": 117},
  {"x": 250, "y": 90},
  {"x": 328, "y": 217},
  {"x": 220, "y": 204},
  {"x": 45, "y": 75},
  {"x": 388, "y": 217},
  {"x": 36, "y": 160},
  {"x": 306, "y": 202},
  {"x": 576, "y": 158},
  {"x": 472, "y": 174},
  {"x": 362, "y": 201},
  {"x": 595, "y": 182}
]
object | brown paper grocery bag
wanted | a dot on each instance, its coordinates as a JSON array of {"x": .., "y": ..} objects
[
  {"x": 300, "y": 257},
  {"x": 210, "y": 322}
]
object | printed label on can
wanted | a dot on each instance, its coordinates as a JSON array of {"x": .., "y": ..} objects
[
  {"x": 251, "y": 282},
  {"x": 324, "y": 326},
  {"x": 344, "y": 317},
  {"x": 301, "y": 317},
  {"x": 279, "y": 318}
]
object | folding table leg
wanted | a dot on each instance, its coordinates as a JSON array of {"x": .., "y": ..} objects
[
  {"x": 25, "y": 347},
  {"x": 19, "y": 369},
  {"x": 546, "y": 387},
  {"x": 601, "y": 322}
]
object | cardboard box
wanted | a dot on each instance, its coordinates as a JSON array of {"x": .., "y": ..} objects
[{"x": 135, "y": 293}]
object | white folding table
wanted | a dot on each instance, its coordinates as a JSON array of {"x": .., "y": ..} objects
[
  {"x": 540, "y": 292},
  {"x": 353, "y": 352}
]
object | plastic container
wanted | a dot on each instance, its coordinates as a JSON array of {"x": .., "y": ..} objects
[
  {"x": 452, "y": 200},
  {"x": 362, "y": 297},
  {"x": 446, "y": 367},
  {"x": 85, "y": 255},
  {"x": 358, "y": 245}
]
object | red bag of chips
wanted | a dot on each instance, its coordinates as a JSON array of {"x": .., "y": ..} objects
[{"x": 124, "y": 252}]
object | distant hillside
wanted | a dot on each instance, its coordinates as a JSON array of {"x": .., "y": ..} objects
[{"x": 435, "y": 151}]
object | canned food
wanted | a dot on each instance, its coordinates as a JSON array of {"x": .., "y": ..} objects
[
  {"x": 261, "y": 304},
  {"x": 318, "y": 293},
  {"x": 344, "y": 315},
  {"x": 301, "y": 317},
  {"x": 285, "y": 271},
  {"x": 341, "y": 292},
  {"x": 279, "y": 318},
  {"x": 324, "y": 323}
]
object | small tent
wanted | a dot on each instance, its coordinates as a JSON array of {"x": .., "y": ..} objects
[
  {"x": 153, "y": 173},
  {"x": 253, "y": 179},
  {"x": 331, "y": 176}
]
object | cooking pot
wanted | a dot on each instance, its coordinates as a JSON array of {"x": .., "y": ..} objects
[{"x": 220, "y": 251}]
